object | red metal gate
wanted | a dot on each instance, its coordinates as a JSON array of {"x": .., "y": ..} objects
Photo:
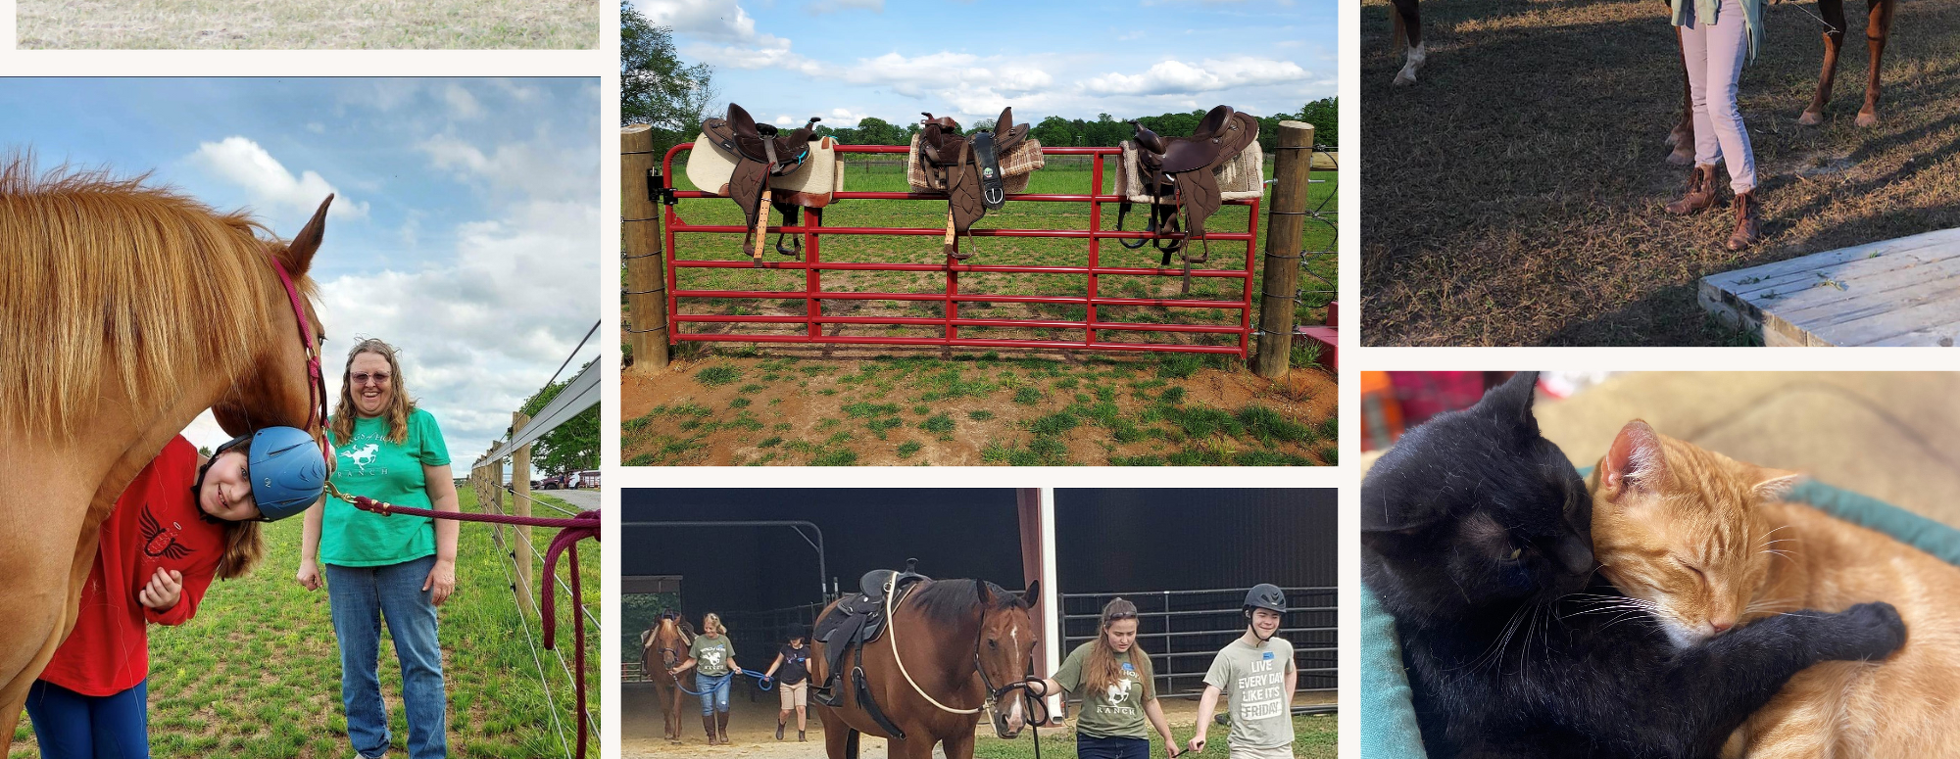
[{"x": 950, "y": 321}]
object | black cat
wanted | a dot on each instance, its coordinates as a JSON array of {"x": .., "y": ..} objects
[{"x": 1477, "y": 537}]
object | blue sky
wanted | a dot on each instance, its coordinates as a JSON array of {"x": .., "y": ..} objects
[
  {"x": 466, "y": 230},
  {"x": 787, "y": 60}
]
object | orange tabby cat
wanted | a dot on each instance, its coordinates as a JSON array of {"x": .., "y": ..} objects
[{"x": 1704, "y": 543}]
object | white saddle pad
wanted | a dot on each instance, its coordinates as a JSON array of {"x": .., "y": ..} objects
[{"x": 822, "y": 175}]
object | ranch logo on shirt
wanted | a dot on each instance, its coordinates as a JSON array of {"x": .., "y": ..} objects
[
  {"x": 713, "y": 657},
  {"x": 363, "y": 451},
  {"x": 1117, "y": 693}
]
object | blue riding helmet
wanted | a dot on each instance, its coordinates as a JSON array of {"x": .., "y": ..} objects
[{"x": 287, "y": 470}]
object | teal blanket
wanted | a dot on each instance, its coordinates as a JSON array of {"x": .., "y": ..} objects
[{"x": 1388, "y": 723}]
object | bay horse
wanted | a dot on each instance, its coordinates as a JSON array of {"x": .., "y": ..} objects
[
  {"x": 125, "y": 311},
  {"x": 967, "y": 644},
  {"x": 663, "y": 646}
]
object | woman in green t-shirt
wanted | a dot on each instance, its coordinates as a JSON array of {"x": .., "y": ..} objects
[
  {"x": 712, "y": 657},
  {"x": 395, "y": 568},
  {"x": 1113, "y": 677}
]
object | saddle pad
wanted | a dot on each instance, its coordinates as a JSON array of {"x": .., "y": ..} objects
[
  {"x": 1239, "y": 179},
  {"x": 709, "y": 167},
  {"x": 1015, "y": 166}
]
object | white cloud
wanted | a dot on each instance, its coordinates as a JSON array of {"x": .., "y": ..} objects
[
  {"x": 462, "y": 104},
  {"x": 1177, "y": 77},
  {"x": 242, "y": 162},
  {"x": 840, "y": 117},
  {"x": 515, "y": 168},
  {"x": 730, "y": 32}
]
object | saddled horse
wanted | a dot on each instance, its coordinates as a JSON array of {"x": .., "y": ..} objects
[
  {"x": 125, "y": 311},
  {"x": 966, "y": 644},
  {"x": 663, "y": 647}
]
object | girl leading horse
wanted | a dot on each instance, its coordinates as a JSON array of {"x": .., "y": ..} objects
[{"x": 125, "y": 311}]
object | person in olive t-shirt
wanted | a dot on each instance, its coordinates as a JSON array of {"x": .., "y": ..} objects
[
  {"x": 1113, "y": 677},
  {"x": 792, "y": 687},
  {"x": 1258, "y": 674},
  {"x": 712, "y": 657},
  {"x": 397, "y": 568}
]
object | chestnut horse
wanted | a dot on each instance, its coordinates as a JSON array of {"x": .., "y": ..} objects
[
  {"x": 663, "y": 647},
  {"x": 966, "y": 644},
  {"x": 125, "y": 311}
]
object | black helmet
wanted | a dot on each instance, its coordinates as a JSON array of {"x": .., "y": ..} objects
[{"x": 1266, "y": 596}]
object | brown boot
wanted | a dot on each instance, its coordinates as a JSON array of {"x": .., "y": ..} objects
[
  {"x": 1748, "y": 222},
  {"x": 708, "y": 723},
  {"x": 1701, "y": 192},
  {"x": 721, "y": 725}
]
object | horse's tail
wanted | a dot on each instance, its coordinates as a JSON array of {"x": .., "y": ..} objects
[{"x": 1398, "y": 30}]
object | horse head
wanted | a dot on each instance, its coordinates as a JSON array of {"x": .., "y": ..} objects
[
  {"x": 1005, "y": 653},
  {"x": 665, "y": 638},
  {"x": 281, "y": 387}
]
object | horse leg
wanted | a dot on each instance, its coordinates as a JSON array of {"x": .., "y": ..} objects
[
  {"x": 1406, "y": 18},
  {"x": 1682, "y": 137},
  {"x": 1878, "y": 26},
  {"x": 839, "y": 741},
  {"x": 959, "y": 746},
  {"x": 1833, "y": 13}
]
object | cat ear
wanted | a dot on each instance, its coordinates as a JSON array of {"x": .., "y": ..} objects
[
  {"x": 1511, "y": 401},
  {"x": 1634, "y": 462},
  {"x": 1773, "y": 484}
]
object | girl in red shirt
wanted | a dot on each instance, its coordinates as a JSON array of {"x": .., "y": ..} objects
[{"x": 176, "y": 526}]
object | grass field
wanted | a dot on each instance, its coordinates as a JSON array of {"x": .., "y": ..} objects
[
  {"x": 1514, "y": 194},
  {"x": 308, "y": 24},
  {"x": 1313, "y": 738},
  {"x": 257, "y": 674}
]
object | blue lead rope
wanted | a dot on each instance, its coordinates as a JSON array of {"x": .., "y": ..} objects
[{"x": 763, "y": 681}]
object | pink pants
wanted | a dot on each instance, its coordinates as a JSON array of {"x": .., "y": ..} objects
[{"x": 1714, "y": 54}]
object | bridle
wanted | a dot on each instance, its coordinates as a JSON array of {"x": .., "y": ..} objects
[
  {"x": 316, "y": 386},
  {"x": 994, "y": 694}
]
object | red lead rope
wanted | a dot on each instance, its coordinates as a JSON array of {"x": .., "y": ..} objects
[{"x": 570, "y": 532}]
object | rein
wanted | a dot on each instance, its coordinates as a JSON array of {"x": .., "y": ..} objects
[
  {"x": 570, "y": 532},
  {"x": 316, "y": 387},
  {"x": 993, "y": 694}
]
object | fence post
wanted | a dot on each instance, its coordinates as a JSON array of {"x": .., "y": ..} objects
[
  {"x": 520, "y": 484},
  {"x": 1285, "y": 231},
  {"x": 640, "y": 245}
]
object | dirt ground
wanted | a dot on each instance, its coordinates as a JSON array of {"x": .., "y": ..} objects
[
  {"x": 799, "y": 406},
  {"x": 752, "y": 727}
]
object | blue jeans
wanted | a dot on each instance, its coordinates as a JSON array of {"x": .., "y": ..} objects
[
  {"x": 1111, "y": 748},
  {"x": 361, "y": 598},
  {"x": 69, "y": 725},
  {"x": 714, "y": 692}
]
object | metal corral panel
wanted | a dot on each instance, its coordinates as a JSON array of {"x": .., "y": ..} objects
[{"x": 1186, "y": 539}]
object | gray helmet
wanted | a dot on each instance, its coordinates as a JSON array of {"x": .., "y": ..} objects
[{"x": 1266, "y": 596}]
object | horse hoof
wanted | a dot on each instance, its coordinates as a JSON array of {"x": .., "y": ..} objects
[
  {"x": 1867, "y": 119},
  {"x": 1405, "y": 79},
  {"x": 1810, "y": 118},
  {"x": 1681, "y": 157}
]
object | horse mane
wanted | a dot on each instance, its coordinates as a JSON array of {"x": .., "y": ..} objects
[
  {"x": 953, "y": 602},
  {"x": 110, "y": 280}
]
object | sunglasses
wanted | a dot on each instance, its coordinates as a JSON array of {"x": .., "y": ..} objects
[{"x": 362, "y": 378}]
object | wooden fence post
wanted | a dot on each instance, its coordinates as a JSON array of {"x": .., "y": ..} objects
[
  {"x": 640, "y": 245},
  {"x": 1285, "y": 232},
  {"x": 520, "y": 484}
]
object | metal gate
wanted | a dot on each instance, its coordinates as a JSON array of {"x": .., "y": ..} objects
[
  {"x": 1184, "y": 629},
  {"x": 813, "y": 293}
]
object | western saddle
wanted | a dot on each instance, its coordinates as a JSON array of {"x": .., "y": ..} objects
[
  {"x": 1180, "y": 174},
  {"x": 761, "y": 153},
  {"x": 854, "y": 623},
  {"x": 968, "y": 166}
]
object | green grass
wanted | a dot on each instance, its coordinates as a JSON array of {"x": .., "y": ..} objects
[
  {"x": 1314, "y": 737},
  {"x": 256, "y": 672},
  {"x": 309, "y": 24},
  {"x": 717, "y": 375}
]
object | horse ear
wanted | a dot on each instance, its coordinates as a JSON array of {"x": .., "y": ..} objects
[
  {"x": 299, "y": 253},
  {"x": 1032, "y": 595},
  {"x": 985, "y": 593}
]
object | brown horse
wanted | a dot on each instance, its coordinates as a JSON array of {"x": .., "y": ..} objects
[
  {"x": 1878, "y": 28},
  {"x": 125, "y": 311},
  {"x": 962, "y": 643},
  {"x": 663, "y": 647}
]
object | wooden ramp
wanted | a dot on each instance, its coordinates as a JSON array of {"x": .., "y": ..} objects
[{"x": 1894, "y": 292}]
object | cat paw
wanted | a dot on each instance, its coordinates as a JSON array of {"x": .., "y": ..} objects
[{"x": 1872, "y": 631}]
